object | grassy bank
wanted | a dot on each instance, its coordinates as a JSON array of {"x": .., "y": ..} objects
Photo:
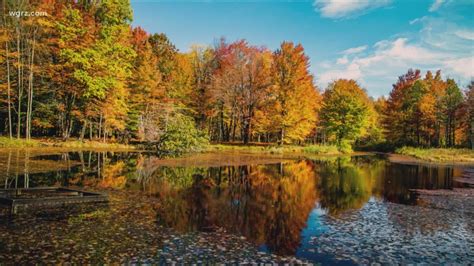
[
  {"x": 273, "y": 149},
  {"x": 75, "y": 144},
  {"x": 439, "y": 155},
  {"x": 86, "y": 144},
  {"x": 18, "y": 143},
  {"x": 71, "y": 144}
]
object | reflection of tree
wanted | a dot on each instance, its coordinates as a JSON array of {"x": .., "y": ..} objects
[
  {"x": 266, "y": 203},
  {"x": 112, "y": 176},
  {"x": 343, "y": 185},
  {"x": 168, "y": 184},
  {"x": 398, "y": 179},
  {"x": 293, "y": 201}
]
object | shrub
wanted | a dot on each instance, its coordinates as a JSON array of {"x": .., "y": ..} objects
[
  {"x": 345, "y": 147},
  {"x": 321, "y": 149},
  {"x": 180, "y": 136}
]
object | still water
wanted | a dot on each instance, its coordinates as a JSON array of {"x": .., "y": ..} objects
[{"x": 331, "y": 210}]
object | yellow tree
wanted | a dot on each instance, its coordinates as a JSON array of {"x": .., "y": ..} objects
[
  {"x": 146, "y": 89},
  {"x": 295, "y": 98},
  {"x": 202, "y": 66}
]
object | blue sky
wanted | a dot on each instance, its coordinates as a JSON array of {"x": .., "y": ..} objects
[{"x": 371, "y": 41}]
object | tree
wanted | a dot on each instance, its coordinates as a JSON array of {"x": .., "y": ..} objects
[
  {"x": 110, "y": 60},
  {"x": 374, "y": 135},
  {"x": 180, "y": 135},
  {"x": 202, "y": 62},
  {"x": 451, "y": 103},
  {"x": 419, "y": 110},
  {"x": 242, "y": 82},
  {"x": 345, "y": 111},
  {"x": 432, "y": 111},
  {"x": 146, "y": 88},
  {"x": 469, "y": 104},
  {"x": 5, "y": 57},
  {"x": 397, "y": 121},
  {"x": 73, "y": 71},
  {"x": 413, "y": 108},
  {"x": 295, "y": 99},
  {"x": 166, "y": 53}
]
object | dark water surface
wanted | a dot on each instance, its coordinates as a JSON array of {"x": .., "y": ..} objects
[{"x": 335, "y": 210}]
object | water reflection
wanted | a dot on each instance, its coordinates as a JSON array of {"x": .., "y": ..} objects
[
  {"x": 270, "y": 204},
  {"x": 343, "y": 185},
  {"x": 267, "y": 203}
]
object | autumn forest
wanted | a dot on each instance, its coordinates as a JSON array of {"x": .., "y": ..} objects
[{"x": 82, "y": 71}]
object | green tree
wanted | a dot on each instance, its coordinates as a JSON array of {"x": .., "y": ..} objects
[
  {"x": 451, "y": 103},
  {"x": 412, "y": 108},
  {"x": 111, "y": 60},
  {"x": 345, "y": 111},
  {"x": 470, "y": 113},
  {"x": 76, "y": 34},
  {"x": 180, "y": 135},
  {"x": 166, "y": 53}
]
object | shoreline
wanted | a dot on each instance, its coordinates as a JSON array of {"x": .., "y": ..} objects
[
  {"x": 436, "y": 156},
  {"x": 408, "y": 159}
]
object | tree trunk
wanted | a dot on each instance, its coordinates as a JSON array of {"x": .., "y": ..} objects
[
  {"x": 453, "y": 130},
  {"x": 447, "y": 134},
  {"x": 68, "y": 122},
  {"x": 19, "y": 83},
  {"x": 90, "y": 130},
  {"x": 282, "y": 135},
  {"x": 100, "y": 127},
  {"x": 472, "y": 133},
  {"x": 71, "y": 125},
  {"x": 246, "y": 131},
  {"x": 83, "y": 131},
  {"x": 234, "y": 127},
  {"x": 222, "y": 129},
  {"x": 10, "y": 134},
  {"x": 437, "y": 134},
  {"x": 29, "y": 110}
]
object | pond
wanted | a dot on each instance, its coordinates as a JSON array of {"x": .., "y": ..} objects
[{"x": 237, "y": 208}]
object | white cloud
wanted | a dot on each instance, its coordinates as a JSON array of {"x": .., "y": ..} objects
[
  {"x": 465, "y": 34},
  {"x": 390, "y": 58},
  {"x": 354, "y": 50},
  {"x": 325, "y": 64},
  {"x": 400, "y": 50},
  {"x": 350, "y": 8},
  {"x": 436, "y": 5},
  {"x": 442, "y": 42},
  {"x": 342, "y": 61},
  {"x": 352, "y": 71},
  {"x": 444, "y": 35},
  {"x": 387, "y": 56},
  {"x": 416, "y": 20},
  {"x": 462, "y": 66}
]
